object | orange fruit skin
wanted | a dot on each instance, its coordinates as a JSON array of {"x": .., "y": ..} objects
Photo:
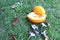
[
  {"x": 39, "y": 10},
  {"x": 41, "y": 19},
  {"x": 37, "y": 21}
]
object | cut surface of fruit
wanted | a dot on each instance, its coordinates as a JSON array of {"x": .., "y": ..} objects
[
  {"x": 36, "y": 18},
  {"x": 39, "y": 10}
]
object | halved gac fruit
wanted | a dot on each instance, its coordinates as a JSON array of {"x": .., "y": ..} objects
[
  {"x": 39, "y": 10},
  {"x": 36, "y": 18}
]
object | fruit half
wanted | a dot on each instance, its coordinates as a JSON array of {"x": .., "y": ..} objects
[{"x": 36, "y": 18}]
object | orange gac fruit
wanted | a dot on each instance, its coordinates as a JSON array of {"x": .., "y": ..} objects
[
  {"x": 36, "y": 18},
  {"x": 39, "y": 10}
]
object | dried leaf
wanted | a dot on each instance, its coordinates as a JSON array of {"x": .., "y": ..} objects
[
  {"x": 12, "y": 36},
  {"x": 15, "y": 21}
]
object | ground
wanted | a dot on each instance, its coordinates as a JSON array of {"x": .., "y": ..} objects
[{"x": 7, "y": 14}]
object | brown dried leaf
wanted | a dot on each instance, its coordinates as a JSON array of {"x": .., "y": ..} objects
[
  {"x": 15, "y": 21},
  {"x": 12, "y": 36}
]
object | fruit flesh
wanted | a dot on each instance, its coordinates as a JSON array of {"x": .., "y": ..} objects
[{"x": 36, "y": 18}]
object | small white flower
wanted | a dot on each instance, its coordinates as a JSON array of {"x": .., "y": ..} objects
[
  {"x": 31, "y": 34},
  {"x": 43, "y": 25},
  {"x": 36, "y": 32},
  {"x": 44, "y": 34},
  {"x": 34, "y": 27},
  {"x": 47, "y": 23}
]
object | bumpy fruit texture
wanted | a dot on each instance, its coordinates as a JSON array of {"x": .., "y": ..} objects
[{"x": 39, "y": 10}]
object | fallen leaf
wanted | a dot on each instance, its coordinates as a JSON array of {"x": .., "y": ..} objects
[
  {"x": 12, "y": 36},
  {"x": 15, "y": 21}
]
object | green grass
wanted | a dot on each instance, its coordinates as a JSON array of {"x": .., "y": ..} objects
[{"x": 7, "y": 14}]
